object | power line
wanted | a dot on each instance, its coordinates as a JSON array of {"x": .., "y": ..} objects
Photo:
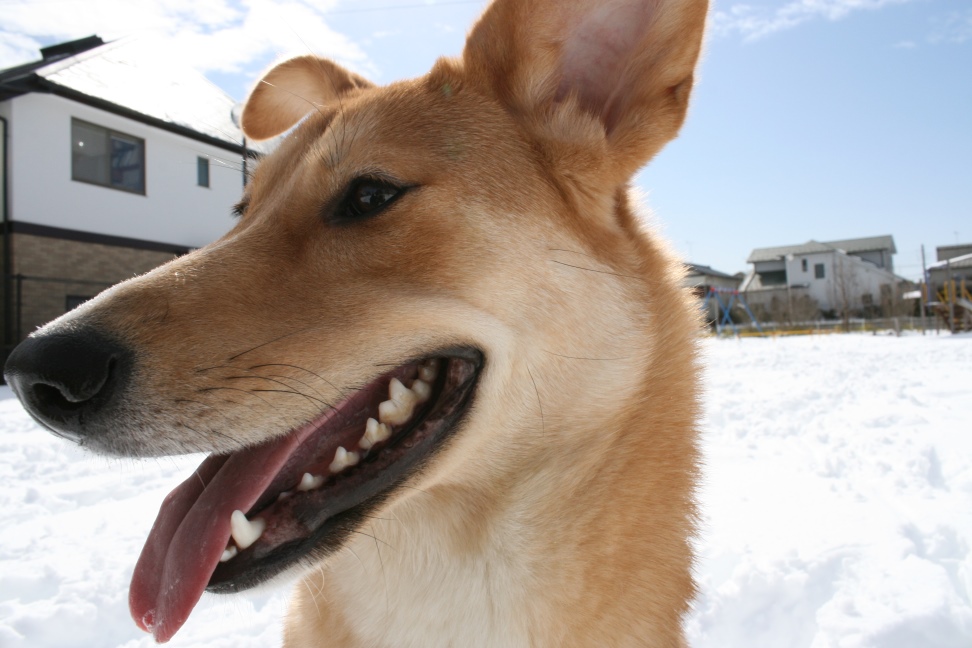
[
  {"x": 424, "y": 5},
  {"x": 411, "y": 6}
]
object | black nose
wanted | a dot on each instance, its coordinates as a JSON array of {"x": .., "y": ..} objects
[{"x": 68, "y": 380}]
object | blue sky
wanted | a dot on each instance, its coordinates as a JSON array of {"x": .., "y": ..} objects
[{"x": 812, "y": 119}]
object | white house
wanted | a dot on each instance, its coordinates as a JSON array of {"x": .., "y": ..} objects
[
  {"x": 950, "y": 284},
  {"x": 954, "y": 264},
  {"x": 839, "y": 278},
  {"x": 700, "y": 278},
  {"x": 114, "y": 161}
]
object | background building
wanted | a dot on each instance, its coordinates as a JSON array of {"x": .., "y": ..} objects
[
  {"x": 701, "y": 277},
  {"x": 950, "y": 286},
  {"x": 114, "y": 161},
  {"x": 954, "y": 263},
  {"x": 851, "y": 278}
]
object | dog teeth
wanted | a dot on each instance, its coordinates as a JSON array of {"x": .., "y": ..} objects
[
  {"x": 245, "y": 532},
  {"x": 428, "y": 370},
  {"x": 422, "y": 389},
  {"x": 375, "y": 432},
  {"x": 393, "y": 413},
  {"x": 343, "y": 459},
  {"x": 398, "y": 409},
  {"x": 399, "y": 392},
  {"x": 401, "y": 405},
  {"x": 310, "y": 482}
]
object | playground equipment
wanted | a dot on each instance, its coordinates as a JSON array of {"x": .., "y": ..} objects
[
  {"x": 954, "y": 306},
  {"x": 723, "y": 316}
]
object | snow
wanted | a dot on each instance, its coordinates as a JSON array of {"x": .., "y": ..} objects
[
  {"x": 838, "y": 499},
  {"x": 837, "y": 510}
]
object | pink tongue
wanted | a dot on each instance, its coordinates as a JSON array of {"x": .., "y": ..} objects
[{"x": 191, "y": 532}]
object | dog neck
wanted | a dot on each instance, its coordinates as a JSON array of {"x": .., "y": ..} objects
[{"x": 567, "y": 532}]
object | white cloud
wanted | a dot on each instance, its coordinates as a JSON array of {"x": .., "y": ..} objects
[
  {"x": 211, "y": 35},
  {"x": 955, "y": 27},
  {"x": 16, "y": 48},
  {"x": 755, "y": 22},
  {"x": 276, "y": 28}
]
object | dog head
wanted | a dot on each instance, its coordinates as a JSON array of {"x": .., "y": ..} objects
[{"x": 435, "y": 255}]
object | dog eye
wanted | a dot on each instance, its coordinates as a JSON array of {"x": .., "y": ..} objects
[{"x": 367, "y": 196}]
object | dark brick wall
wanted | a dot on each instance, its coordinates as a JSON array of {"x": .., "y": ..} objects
[{"x": 56, "y": 260}]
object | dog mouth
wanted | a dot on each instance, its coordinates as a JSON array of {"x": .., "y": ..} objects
[{"x": 244, "y": 517}]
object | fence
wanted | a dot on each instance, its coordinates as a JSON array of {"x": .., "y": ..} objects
[{"x": 880, "y": 324}]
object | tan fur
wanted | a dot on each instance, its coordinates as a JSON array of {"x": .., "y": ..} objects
[{"x": 561, "y": 513}]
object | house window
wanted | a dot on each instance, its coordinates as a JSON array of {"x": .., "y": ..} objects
[
  {"x": 803, "y": 264},
  {"x": 773, "y": 278},
  {"x": 202, "y": 171},
  {"x": 108, "y": 158},
  {"x": 818, "y": 270}
]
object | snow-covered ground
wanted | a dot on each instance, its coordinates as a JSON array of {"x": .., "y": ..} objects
[
  {"x": 838, "y": 500},
  {"x": 837, "y": 510}
]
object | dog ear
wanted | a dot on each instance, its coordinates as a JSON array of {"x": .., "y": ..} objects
[
  {"x": 629, "y": 64},
  {"x": 291, "y": 90}
]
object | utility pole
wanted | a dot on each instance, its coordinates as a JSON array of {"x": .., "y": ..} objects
[
  {"x": 950, "y": 293},
  {"x": 924, "y": 288},
  {"x": 789, "y": 299}
]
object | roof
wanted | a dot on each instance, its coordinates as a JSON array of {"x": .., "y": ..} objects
[
  {"x": 128, "y": 77},
  {"x": 964, "y": 261},
  {"x": 867, "y": 244},
  {"x": 48, "y": 56},
  {"x": 695, "y": 268},
  {"x": 774, "y": 253},
  {"x": 951, "y": 251},
  {"x": 851, "y": 246}
]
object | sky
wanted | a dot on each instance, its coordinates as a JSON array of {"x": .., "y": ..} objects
[{"x": 811, "y": 119}]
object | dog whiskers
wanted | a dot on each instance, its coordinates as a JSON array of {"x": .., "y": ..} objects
[
  {"x": 299, "y": 368},
  {"x": 607, "y": 272},
  {"x": 269, "y": 342},
  {"x": 417, "y": 489},
  {"x": 381, "y": 562},
  {"x": 314, "y": 596},
  {"x": 560, "y": 355},
  {"x": 289, "y": 390},
  {"x": 353, "y": 553},
  {"x": 204, "y": 390},
  {"x": 196, "y": 474},
  {"x": 584, "y": 254},
  {"x": 211, "y": 430},
  {"x": 543, "y": 427},
  {"x": 368, "y": 535},
  {"x": 375, "y": 517},
  {"x": 238, "y": 445},
  {"x": 296, "y": 95},
  {"x": 210, "y": 368},
  {"x": 248, "y": 392},
  {"x": 308, "y": 386}
]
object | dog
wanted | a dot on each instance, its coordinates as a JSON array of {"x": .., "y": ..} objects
[{"x": 446, "y": 376}]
